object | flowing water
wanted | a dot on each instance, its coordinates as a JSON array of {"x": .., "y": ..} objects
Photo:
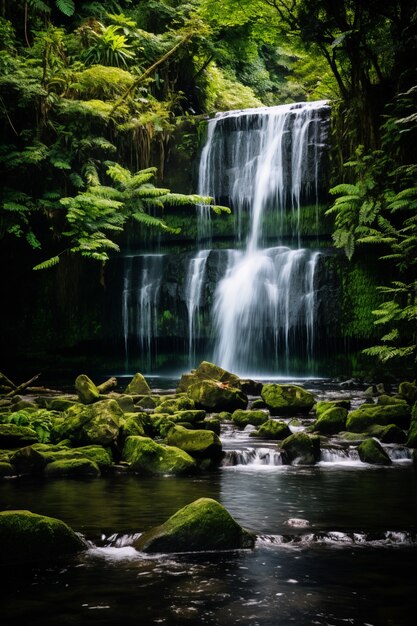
[
  {"x": 257, "y": 310},
  {"x": 337, "y": 543}
]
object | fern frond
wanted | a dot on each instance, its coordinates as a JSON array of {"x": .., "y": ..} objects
[
  {"x": 345, "y": 189},
  {"x": 47, "y": 264}
]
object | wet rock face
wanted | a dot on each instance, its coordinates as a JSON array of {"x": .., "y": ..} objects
[
  {"x": 200, "y": 526},
  {"x": 301, "y": 449},
  {"x": 216, "y": 396}
]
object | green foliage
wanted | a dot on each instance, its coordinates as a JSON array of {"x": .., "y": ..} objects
[{"x": 381, "y": 209}]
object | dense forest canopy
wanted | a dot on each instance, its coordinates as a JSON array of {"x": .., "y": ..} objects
[{"x": 91, "y": 94}]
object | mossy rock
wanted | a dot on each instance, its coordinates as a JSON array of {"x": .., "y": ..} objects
[
  {"x": 87, "y": 391},
  {"x": 203, "y": 525},
  {"x": 98, "y": 423},
  {"x": 6, "y": 469},
  {"x": 26, "y": 537},
  {"x": 224, "y": 416},
  {"x": 138, "y": 386},
  {"x": 242, "y": 418},
  {"x": 208, "y": 371},
  {"x": 33, "y": 460},
  {"x": 388, "y": 434},
  {"x": 148, "y": 402},
  {"x": 59, "y": 404},
  {"x": 192, "y": 416},
  {"x": 213, "y": 424},
  {"x": 147, "y": 457},
  {"x": 125, "y": 402},
  {"x": 385, "y": 400},
  {"x": 273, "y": 429},
  {"x": 408, "y": 391},
  {"x": 174, "y": 405},
  {"x": 72, "y": 468},
  {"x": 324, "y": 405},
  {"x": 368, "y": 415},
  {"x": 371, "y": 451},
  {"x": 160, "y": 424},
  {"x": 412, "y": 433},
  {"x": 331, "y": 421},
  {"x": 257, "y": 404},
  {"x": 287, "y": 399},
  {"x": 198, "y": 443},
  {"x": 301, "y": 449},
  {"x": 135, "y": 424},
  {"x": 215, "y": 397},
  {"x": 12, "y": 435}
]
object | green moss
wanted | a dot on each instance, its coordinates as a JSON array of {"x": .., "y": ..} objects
[
  {"x": 72, "y": 468},
  {"x": 145, "y": 456},
  {"x": 242, "y": 418},
  {"x": 273, "y": 429},
  {"x": 198, "y": 443},
  {"x": 412, "y": 433},
  {"x": 331, "y": 421},
  {"x": 287, "y": 399},
  {"x": 367, "y": 415},
  {"x": 301, "y": 449},
  {"x": 370, "y": 451},
  {"x": 27, "y": 537},
  {"x": 202, "y": 525}
]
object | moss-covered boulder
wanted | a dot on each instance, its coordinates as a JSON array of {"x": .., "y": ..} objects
[
  {"x": 26, "y": 537},
  {"x": 386, "y": 400},
  {"x": 173, "y": 405},
  {"x": 324, "y": 405},
  {"x": 6, "y": 469},
  {"x": 212, "y": 423},
  {"x": 98, "y": 423},
  {"x": 242, "y": 418},
  {"x": 301, "y": 449},
  {"x": 87, "y": 391},
  {"x": 371, "y": 451},
  {"x": 287, "y": 399},
  {"x": 198, "y": 443},
  {"x": 135, "y": 424},
  {"x": 72, "y": 468},
  {"x": 192, "y": 416},
  {"x": 35, "y": 459},
  {"x": 388, "y": 434},
  {"x": 331, "y": 421},
  {"x": 208, "y": 371},
  {"x": 217, "y": 396},
  {"x": 147, "y": 457},
  {"x": 257, "y": 404},
  {"x": 408, "y": 391},
  {"x": 273, "y": 429},
  {"x": 138, "y": 386},
  {"x": 203, "y": 525},
  {"x": 412, "y": 433},
  {"x": 367, "y": 415},
  {"x": 13, "y": 436}
]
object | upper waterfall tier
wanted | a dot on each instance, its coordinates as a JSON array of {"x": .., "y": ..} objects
[{"x": 265, "y": 162}]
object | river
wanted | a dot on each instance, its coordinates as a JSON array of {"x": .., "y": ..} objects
[{"x": 337, "y": 544}]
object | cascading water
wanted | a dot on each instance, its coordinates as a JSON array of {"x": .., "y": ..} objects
[
  {"x": 264, "y": 160},
  {"x": 250, "y": 302},
  {"x": 141, "y": 287}
]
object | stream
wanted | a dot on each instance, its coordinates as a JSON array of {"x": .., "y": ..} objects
[{"x": 337, "y": 543}]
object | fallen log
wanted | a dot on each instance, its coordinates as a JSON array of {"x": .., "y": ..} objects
[
  {"x": 111, "y": 383},
  {"x": 22, "y": 387}
]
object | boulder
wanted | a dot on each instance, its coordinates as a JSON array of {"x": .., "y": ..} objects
[
  {"x": 408, "y": 391},
  {"x": 412, "y": 433},
  {"x": 13, "y": 436},
  {"x": 367, "y": 415},
  {"x": 86, "y": 390},
  {"x": 217, "y": 396},
  {"x": 258, "y": 404},
  {"x": 371, "y": 451},
  {"x": 287, "y": 399},
  {"x": 198, "y": 443},
  {"x": 301, "y": 449},
  {"x": 36, "y": 458},
  {"x": 242, "y": 418},
  {"x": 208, "y": 371},
  {"x": 213, "y": 424},
  {"x": 26, "y": 537},
  {"x": 385, "y": 400},
  {"x": 273, "y": 429},
  {"x": 250, "y": 387},
  {"x": 147, "y": 457},
  {"x": 324, "y": 405},
  {"x": 203, "y": 525},
  {"x": 192, "y": 416},
  {"x": 72, "y": 468},
  {"x": 138, "y": 386},
  {"x": 388, "y": 434},
  {"x": 135, "y": 424},
  {"x": 98, "y": 423},
  {"x": 173, "y": 405},
  {"x": 331, "y": 421}
]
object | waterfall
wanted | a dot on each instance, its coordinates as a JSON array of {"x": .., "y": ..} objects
[
  {"x": 194, "y": 284},
  {"x": 141, "y": 286},
  {"x": 265, "y": 161}
]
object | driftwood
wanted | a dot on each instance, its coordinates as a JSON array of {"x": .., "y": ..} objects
[
  {"x": 6, "y": 382},
  {"x": 22, "y": 387},
  {"x": 111, "y": 383}
]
